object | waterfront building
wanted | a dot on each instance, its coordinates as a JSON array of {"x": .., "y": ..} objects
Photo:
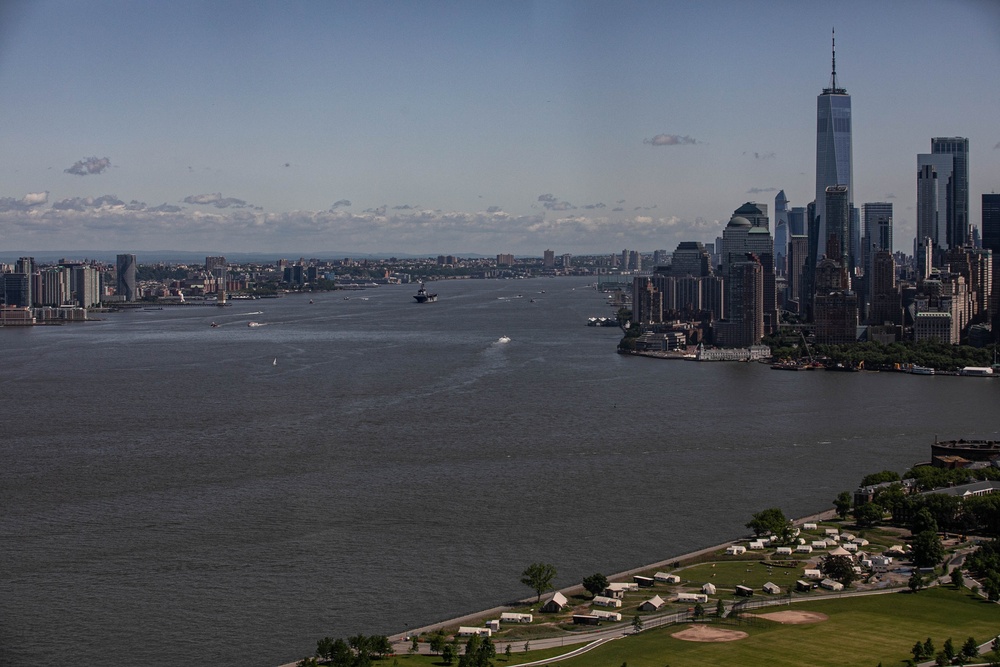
[
  {"x": 836, "y": 306},
  {"x": 85, "y": 286},
  {"x": 739, "y": 238},
  {"x": 877, "y": 237},
  {"x": 834, "y": 157},
  {"x": 744, "y": 324},
  {"x": 54, "y": 287},
  {"x": 549, "y": 259},
  {"x": 566, "y": 260},
  {"x": 932, "y": 325},
  {"x": 957, "y": 213},
  {"x": 17, "y": 289},
  {"x": 126, "y": 286}
]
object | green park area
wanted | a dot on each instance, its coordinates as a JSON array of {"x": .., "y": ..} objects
[{"x": 858, "y": 631}]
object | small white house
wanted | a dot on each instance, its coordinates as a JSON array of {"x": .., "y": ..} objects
[
  {"x": 466, "y": 631},
  {"x": 512, "y": 617},
  {"x": 803, "y": 549},
  {"x": 493, "y": 624},
  {"x": 692, "y": 597},
  {"x": 784, "y": 551},
  {"x": 772, "y": 588},
  {"x": 860, "y": 541},
  {"x": 756, "y": 544},
  {"x": 847, "y": 537},
  {"x": 735, "y": 550},
  {"x": 819, "y": 544},
  {"x": 832, "y": 531},
  {"x": 652, "y": 604},
  {"x": 812, "y": 574},
  {"x": 809, "y": 526},
  {"x": 850, "y": 547},
  {"x": 708, "y": 589},
  {"x": 667, "y": 578},
  {"x": 602, "y": 601},
  {"x": 831, "y": 585}
]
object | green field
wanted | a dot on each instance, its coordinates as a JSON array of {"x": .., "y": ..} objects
[
  {"x": 860, "y": 631},
  {"x": 727, "y": 575}
]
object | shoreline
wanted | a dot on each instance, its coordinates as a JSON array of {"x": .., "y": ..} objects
[{"x": 400, "y": 640}]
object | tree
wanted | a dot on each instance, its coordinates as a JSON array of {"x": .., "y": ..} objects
[
  {"x": 323, "y": 648},
  {"x": 414, "y": 645},
  {"x": 970, "y": 649},
  {"x": 699, "y": 611},
  {"x": 773, "y": 521},
  {"x": 448, "y": 654},
  {"x": 843, "y": 504},
  {"x": 956, "y": 577},
  {"x": 840, "y": 568},
  {"x": 507, "y": 652},
  {"x": 923, "y": 521},
  {"x": 916, "y": 581},
  {"x": 880, "y": 478},
  {"x": 380, "y": 645},
  {"x": 927, "y": 549},
  {"x": 720, "y": 608},
  {"x": 595, "y": 584},
  {"x": 538, "y": 577},
  {"x": 918, "y": 651},
  {"x": 527, "y": 646},
  {"x": 341, "y": 654},
  {"x": 868, "y": 515},
  {"x": 637, "y": 623},
  {"x": 437, "y": 642},
  {"x": 949, "y": 649},
  {"x": 929, "y": 648}
]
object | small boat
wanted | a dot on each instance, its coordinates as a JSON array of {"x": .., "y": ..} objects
[
  {"x": 311, "y": 301},
  {"x": 275, "y": 362},
  {"x": 921, "y": 370},
  {"x": 503, "y": 339},
  {"x": 254, "y": 324},
  {"x": 214, "y": 325}
]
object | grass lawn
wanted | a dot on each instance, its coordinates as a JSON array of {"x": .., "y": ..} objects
[
  {"x": 860, "y": 631},
  {"x": 727, "y": 575},
  {"x": 517, "y": 656}
]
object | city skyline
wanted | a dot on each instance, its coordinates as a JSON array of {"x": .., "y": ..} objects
[{"x": 399, "y": 128}]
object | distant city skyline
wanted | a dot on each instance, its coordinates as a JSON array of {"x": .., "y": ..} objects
[{"x": 581, "y": 127}]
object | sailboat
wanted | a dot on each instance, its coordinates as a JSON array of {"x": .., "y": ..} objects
[{"x": 275, "y": 362}]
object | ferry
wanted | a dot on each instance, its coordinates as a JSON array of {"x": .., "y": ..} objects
[{"x": 423, "y": 296}]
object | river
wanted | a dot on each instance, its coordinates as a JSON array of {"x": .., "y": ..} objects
[{"x": 175, "y": 493}]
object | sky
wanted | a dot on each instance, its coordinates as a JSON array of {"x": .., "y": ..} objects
[{"x": 466, "y": 127}]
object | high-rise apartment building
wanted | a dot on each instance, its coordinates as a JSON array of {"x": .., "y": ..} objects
[
  {"x": 126, "y": 286},
  {"x": 549, "y": 259},
  {"x": 690, "y": 259},
  {"x": 934, "y": 179},
  {"x": 834, "y": 158},
  {"x": 957, "y": 218},
  {"x": 991, "y": 223}
]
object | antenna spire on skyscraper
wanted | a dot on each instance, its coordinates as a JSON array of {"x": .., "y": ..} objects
[{"x": 833, "y": 71}]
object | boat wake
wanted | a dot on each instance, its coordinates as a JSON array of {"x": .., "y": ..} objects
[{"x": 503, "y": 340}]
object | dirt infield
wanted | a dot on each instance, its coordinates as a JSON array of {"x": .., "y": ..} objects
[
  {"x": 707, "y": 633},
  {"x": 795, "y": 617}
]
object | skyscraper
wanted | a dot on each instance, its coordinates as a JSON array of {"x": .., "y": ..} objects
[
  {"x": 838, "y": 226},
  {"x": 934, "y": 179},
  {"x": 780, "y": 232},
  {"x": 957, "y": 219},
  {"x": 991, "y": 222},
  {"x": 833, "y": 152},
  {"x": 126, "y": 277}
]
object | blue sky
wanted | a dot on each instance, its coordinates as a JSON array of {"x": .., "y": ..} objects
[{"x": 465, "y": 127}]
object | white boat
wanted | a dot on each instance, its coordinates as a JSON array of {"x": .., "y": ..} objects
[
  {"x": 503, "y": 339},
  {"x": 922, "y": 370},
  {"x": 254, "y": 324}
]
